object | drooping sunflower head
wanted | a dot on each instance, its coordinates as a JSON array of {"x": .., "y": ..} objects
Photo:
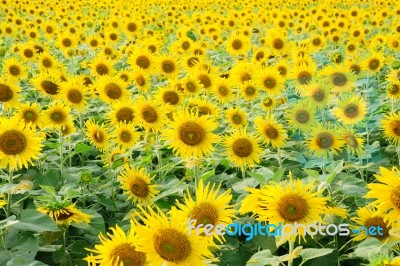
[{"x": 64, "y": 213}]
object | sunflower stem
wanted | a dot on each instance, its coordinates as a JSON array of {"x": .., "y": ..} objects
[
  {"x": 291, "y": 247},
  {"x": 243, "y": 172},
  {"x": 9, "y": 195},
  {"x": 324, "y": 155},
  {"x": 158, "y": 153},
  {"x": 60, "y": 139}
]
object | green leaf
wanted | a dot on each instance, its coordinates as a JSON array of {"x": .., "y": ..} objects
[
  {"x": 278, "y": 175},
  {"x": 32, "y": 220},
  {"x": 314, "y": 174},
  {"x": 311, "y": 253},
  {"x": 208, "y": 174},
  {"x": 263, "y": 257},
  {"x": 82, "y": 148},
  {"x": 22, "y": 245},
  {"x": 368, "y": 247}
]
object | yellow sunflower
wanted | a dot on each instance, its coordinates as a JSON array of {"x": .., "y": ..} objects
[
  {"x": 393, "y": 90},
  {"x": 268, "y": 103},
  {"x": 318, "y": 94},
  {"x": 125, "y": 135},
  {"x": 151, "y": 114},
  {"x": 270, "y": 80},
  {"x": 47, "y": 61},
  {"x": 166, "y": 241},
  {"x": 9, "y": 93},
  {"x": 353, "y": 142},
  {"x": 386, "y": 194},
  {"x": 136, "y": 183},
  {"x": 271, "y": 131},
  {"x": 350, "y": 110},
  {"x": 170, "y": 96},
  {"x": 303, "y": 74},
  {"x": 339, "y": 78},
  {"x": 391, "y": 127},
  {"x": 123, "y": 111},
  {"x": 278, "y": 42},
  {"x": 190, "y": 135},
  {"x": 238, "y": 44},
  {"x": 101, "y": 66},
  {"x": 243, "y": 71},
  {"x": 65, "y": 213},
  {"x": 167, "y": 65},
  {"x": 74, "y": 93},
  {"x": 203, "y": 106},
  {"x": 13, "y": 69},
  {"x": 243, "y": 149},
  {"x": 98, "y": 135},
  {"x": 192, "y": 86},
  {"x": 48, "y": 83},
  {"x": 141, "y": 58},
  {"x": 374, "y": 62},
  {"x": 30, "y": 113},
  {"x": 142, "y": 80},
  {"x": 249, "y": 90},
  {"x": 19, "y": 144},
  {"x": 56, "y": 115},
  {"x": 236, "y": 117},
  {"x": 324, "y": 138},
  {"x": 223, "y": 90},
  {"x": 111, "y": 88},
  {"x": 301, "y": 116}
]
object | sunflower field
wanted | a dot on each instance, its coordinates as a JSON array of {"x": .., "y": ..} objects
[{"x": 221, "y": 133}]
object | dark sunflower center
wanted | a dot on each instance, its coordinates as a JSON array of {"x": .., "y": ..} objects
[
  {"x": 30, "y": 116},
  {"x": 237, "y": 44},
  {"x": 190, "y": 87},
  {"x": 94, "y": 43},
  {"x": 356, "y": 69},
  {"x": 237, "y": 119},
  {"x": 75, "y": 96},
  {"x": 12, "y": 142},
  {"x": 242, "y": 147},
  {"x": 292, "y": 208},
  {"x": 351, "y": 110},
  {"x": 378, "y": 221},
  {"x": 49, "y": 87},
  {"x": 318, "y": 95},
  {"x": 124, "y": 77},
  {"x": 269, "y": 83},
  {"x": 113, "y": 36},
  {"x": 302, "y": 116},
  {"x": 192, "y": 61},
  {"x": 191, "y": 133},
  {"x": 250, "y": 90},
  {"x": 64, "y": 215},
  {"x": 185, "y": 45},
  {"x": 267, "y": 102},
  {"x": 14, "y": 70},
  {"x": 149, "y": 114},
  {"x": 140, "y": 81},
  {"x": 66, "y": 42},
  {"x": 395, "y": 126},
  {"x": 168, "y": 66},
  {"x": 304, "y": 77},
  {"x": 277, "y": 44},
  {"x": 143, "y": 61},
  {"x": 171, "y": 97},
  {"x": 339, "y": 79},
  {"x": 101, "y": 69},
  {"x": 139, "y": 187},
  {"x": 324, "y": 140},
  {"x": 205, "y": 213},
  {"x": 271, "y": 132},
  {"x": 223, "y": 91},
  {"x": 124, "y": 114},
  {"x": 245, "y": 77},
  {"x": 373, "y": 64},
  {"x": 393, "y": 89},
  {"x": 131, "y": 27},
  {"x": 6, "y": 93},
  {"x": 316, "y": 41},
  {"x": 127, "y": 254},
  {"x": 172, "y": 245},
  {"x": 113, "y": 91},
  {"x": 46, "y": 62},
  {"x": 28, "y": 53},
  {"x": 98, "y": 136},
  {"x": 57, "y": 117},
  {"x": 351, "y": 47},
  {"x": 125, "y": 136},
  {"x": 204, "y": 80},
  {"x": 282, "y": 70},
  {"x": 260, "y": 55}
]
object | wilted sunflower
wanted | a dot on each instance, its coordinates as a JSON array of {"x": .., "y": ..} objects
[
  {"x": 136, "y": 183},
  {"x": 111, "y": 88},
  {"x": 301, "y": 116},
  {"x": 350, "y": 110},
  {"x": 9, "y": 93},
  {"x": 243, "y": 149},
  {"x": 271, "y": 131},
  {"x": 65, "y": 213},
  {"x": 236, "y": 117},
  {"x": 324, "y": 138},
  {"x": 166, "y": 241},
  {"x": 19, "y": 144},
  {"x": 391, "y": 127},
  {"x": 123, "y": 111},
  {"x": 125, "y": 135},
  {"x": 56, "y": 115},
  {"x": 190, "y": 135},
  {"x": 151, "y": 114},
  {"x": 386, "y": 194},
  {"x": 98, "y": 135},
  {"x": 117, "y": 249}
]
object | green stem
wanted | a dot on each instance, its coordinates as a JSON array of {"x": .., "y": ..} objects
[
  {"x": 291, "y": 247},
  {"x": 60, "y": 139},
  {"x": 324, "y": 157},
  {"x": 9, "y": 195}
]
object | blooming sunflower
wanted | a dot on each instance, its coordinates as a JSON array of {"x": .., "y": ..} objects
[
  {"x": 169, "y": 96},
  {"x": 167, "y": 242},
  {"x": 203, "y": 106},
  {"x": 56, "y": 115},
  {"x": 191, "y": 135},
  {"x": 301, "y": 116},
  {"x": 271, "y": 130},
  {"x": 353, "y": 142},
  {"x": 142, "y": 58},
  {"x": 19, "y": 144},
  {"x": 111, "y": 88},
  {"x": 30, "y": 113},
  {"x": 142, "y": 80},
  {"x": 340, "y": 79},
  {"x": 136, "y": 183},
  {"x": 223, "y": 90},
  {"x": 270, "y": 80},
  {"x": 73, "y": 92},
  {"x": 47, "y": 82},
  {"x": 324, "y": 138},
  {"x": 151, "y": 114},
  {"x": 391, "y": 127},
  {"x": 125, "y": 135},
  {"x": 9, "y": 93},
  {"x": 117, "y": 249},
  {"x": 350, "y": 110},
  {"x": 238, "y": 44},
  {"x": 13, "y": 69},
  {"x": 64, "y": 213},
  {"x": 122, "y": 111},
  {"x": 243, "y": 149},
  {"x": 386, "y": 194},
  {"x": 393, "y": 90},
  {"x": 167, "y": 65},
  {"x": 47, "y": 61},
  {"x": 249, "y": 90},
  {"x": 242, "y": 72},
  {"x": 278, "y": 42},
  {"x": 303, "y": 74},
  {"x": 268, "y": 103},
  {"x": 374, "y": 62},
  {"x": 98, "y": 135},
  {"x": 192, "y": 86},
  {"x": 101, "y": 66},
  {"x": 236, "y": 117},
  {"x": 318, "y": 93}
]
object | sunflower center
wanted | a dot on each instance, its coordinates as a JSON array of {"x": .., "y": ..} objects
[
  {"x": 324, "y": 140},
  {"x": 339, "y": 79},
  {"x": 143, "y": 61},
  {"x": 46, "y": 62},
  {"x": 139, "y": 188},
  {"x": 260, "y": 55},
  {"x": 304, "y": 77},
  {"x": 302, "y": 116},
  {"x": 168, "y": 66},
  {"x": 131, "y": 27},
  {"x": 316, "y": 41},
  {"x": 191, "y": 133},
  {"x": 351, "y": 47},
  {"x": 49, "y": 87},
  {"x": 192, "y": 61},
  {"x": 373, "y": 64},
  {"x": 149, "y": 114},
  {"x": 171, "y": 97},
  {"x": 204, "y": 110},
  {"x": 318, "y": 95},
  {"x": 66, "y": 42},
  {"x": 237, "y": 119},
  {"x": 124, "y": 114},
  {"x": 292, "y": 208},
  {"x": 113, "y": 36},
  {"x": 94, "y": 43},
  {"x": 205, "y": 80},
  {"x": 271, "y": 132},
  {"x": 74, "y": 96},
  {"x": 395, "y": 126},
  {"x": 250, "y": 90},
  {"x": 351, "y": 141},
  {"x": 223, "y": 91},
  {"x": 246, "y": 77},
  {"x": 113, "y": 91},
  {"x": 6, "y": 93},
  {"x": 242, "y": 147},
  {"x": 28, "y": 53},
  {"x": 29, "y": 116},
  {"x": 12, "y": 142},
  {"x": 237, "y": 44},
  {"x": 57, "y": 117},
  {"x": 351, "y": 110},
  {"x": 378, "y": 221},
  {"x": 101, "y": 69},
  {"x": 98, "y": 136},
  {"x": 63, "y": 215},
  {"x": 172, "y": 245},
  {"x": 270, "y": 83},
  {"x": 277, "y": 44},
  {"x": 190, "y": 87},
  {"x": 393, "y": 89},
  {"x": 282, "y": 70},
  {"x": 356, "y": 69},
  {"x": 14, "y": 70},
  {"x": 125, "y": 136},
  {"x": 140, "y": 81},
  {"x": 267, "y": 102},
  {"x": 127, "y": 254},
  {"x": 185, "y": 45},
  {"x": 205, "y": 213}
]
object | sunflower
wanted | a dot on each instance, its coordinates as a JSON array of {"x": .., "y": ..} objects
[
  {"x": 167, "y": 66},
  {"x": 301, "y": 116},
  {"x": 141, "y": 58},
  {"x": 393, "y": 90},
  {"x": 151, "y": 114},
  {"x": 243, "y": 149},
  {"x": 74, "y": 93},
  {"x": 386, "y": 194},
  {"x": 19, "y": 144},
  {"x": 117, "y": 248},
  {"x": 123, "y": 111},
  {"x": 208, "y": 207},
  {"x": 13, "y": 69},
  {"x": 270, "y": 80},
  {"x": 47, "y": 61},
  {"x": 393, "y": 76},
  {"x": 271, "y": 131},
  {"x": 236, "y": 117},
  {"x": 170, "y": 96},
  {"x": 278, "y": 42},
  {"x": 268, "y": 103},
  {"x": 30, "y": 113},
  {"x": 9, "y": 93},
  {"x": 66, "y": 42},
  {"x": 350, "y": 110},
  {"x": 131, "y": 26},
  {"x": 204, "y": 76},
  {"x": 324, "y": 138},
  {"x": 125, "y": 135},
  {"x": 318, "y": 93},
  {"x": 167, "y": 242},
  {"x": 48, "y": 83},
  {"x": 374, "y": 62},
  {"x": 238, "y": 44},
  {"x": 283, "y": 67},
  {"x": 243, "y": 72},
  {"x": 303, "y": 74},
  {"x": 27, "y": 51},
  {"x": 142, "y": 80},
  {"x": 57, "y": 115},
  {"x": 101, "y": 66},
  {"x": 354, "y": 143},
  {"x": 222, "y": 88},
  {"x": 339, "y": 78},
  {"x": 111, "y": 89},
  {"x": 192, "y": 86},
  {"x": 190, "y": 135},
  {"x": 367, "y": 217},
  {"x": 65, "y": 213},
  {"x": 249, "y": 90},
  {"x": 391, "y": 127},
  {"x": 98, "y": 135},
  {"x": 68, "y": 128},
  {"x": 203, "y": 106}
]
